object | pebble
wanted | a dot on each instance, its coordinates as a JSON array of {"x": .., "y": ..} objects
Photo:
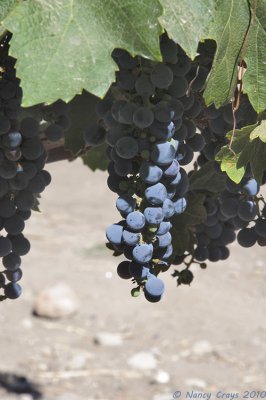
[
  {"x": 196, "y": 383},
  {"x": 27, "y": 323},
  {"x": 143, "y": 360},
  {"x": 55, "y": 302},
  {"x": 108, "y": 339},
  {"x": 201, "y": 348},
  {"x": 80, "y": 361},
  {"x": 162, "y": 377},
  {"x": 25, "y": 397}
]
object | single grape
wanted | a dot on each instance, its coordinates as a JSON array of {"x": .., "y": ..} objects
[
  {"x": 142, "y": 253},
  {"x": 154, "y": 287},
  {"x": 168, "y": 208},
  {"x": 14, "y": 276},
  {"x": 163, "y": 153},
  {"x": 164, "y": 240},
  {"x": 150, "y": 173},
  {"x": 260, "y": 227},
  {"x": 214, "y": 253},
  {"x": 131, "y": 238},
  {"x": 156, "y": 194},
  {"x": 12, "y": 290},
  {"x": 135, "y": 220},
  {"x": 123, "y": 270},
  {"x": 127, "y": 147},
  {"x": 201, "y": 253},
  {"x": 164, "y": 227},
  {"x": 143, "y": 117},
  {"x": 125, "y": 204},
  {"x": 12, "y": 140},
  {"x": 161, "y": 76},
  {"x": 154, "y": 215},
  {"x": 251, "y": 187},
  {"x": 180, "y": 205},
  {"x": 197, "y": 142},
  {"x": 14, "y": 225},
  {"x": 114, "y": 233},
  {"x": 247, "y": 210},
  {"x": 247, "y": 237}
]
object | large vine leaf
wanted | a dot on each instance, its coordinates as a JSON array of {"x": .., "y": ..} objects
[
  {"x": 229, "y": 27},
  {"x": 187, "y": 22},
  {"x": 207, "y": 178},
  {"x": 255, "y": 57},
  {"x": 64, "y": 46},
  {"x": 6, "y": 6}
]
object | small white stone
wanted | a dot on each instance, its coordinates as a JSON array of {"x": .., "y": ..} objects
[
  {"x": 80, "y": 361},
  {"x": 143, "y": 360},
  {"x": 55, "y": 302},
  {"x": 27, "y": 323},
  {"x": 162, "y": 377},
  {"x": 196, "y": 383},
  {"x": 108, "y": 339},
  {"x": 25, "y": 397},
  {"x": 108, "y": 275},
  {"x": 202, "y": 347}
]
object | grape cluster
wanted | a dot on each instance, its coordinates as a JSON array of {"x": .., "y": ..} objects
[
  {"x": 153, "y": 128},
  {"x": 237, "y": 208},
  {"x": 150, "y": 134},
  {"x": 22, "y": 178}
]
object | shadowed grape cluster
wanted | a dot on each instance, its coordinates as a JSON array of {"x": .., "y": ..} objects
[{"x": 22, "y": 178}]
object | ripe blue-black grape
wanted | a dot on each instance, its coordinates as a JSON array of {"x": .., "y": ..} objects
[
  {"x": 247, "y": 237},
  {"x": 135, "y": 220},
  {"x": 153, "y": 215},
  {"x": 142, "y": 253}
]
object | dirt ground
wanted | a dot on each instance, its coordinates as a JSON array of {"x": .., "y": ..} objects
[{"x": 209, "y": 337}]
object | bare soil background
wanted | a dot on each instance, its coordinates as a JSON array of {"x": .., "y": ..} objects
[{"x": 208, "y": 337}]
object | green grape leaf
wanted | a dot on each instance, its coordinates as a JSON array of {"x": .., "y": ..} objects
[
  {"x": 187, "y": 22},
  {"x": 244, "y": 150},
  {"x": 6, "y": 7},
  {"x": 254, "y": 81},
  {"x": 255, "y": 155},
  {"x": 228, "y": 29},
  {"x": 65, "y": 46},
  {"x": 229, "y": 162},
  {"x": 229, "y": 157},
  {"x": 96, "y": 158},
  {"x": 81, "y": 113},
  {"x": 207, "y": 178},
  {"x": 259, "y": 132}
]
